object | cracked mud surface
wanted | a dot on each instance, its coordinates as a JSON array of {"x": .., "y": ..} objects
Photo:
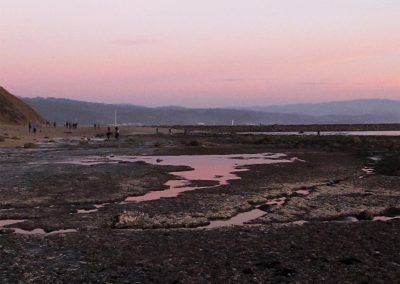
[{"x": 178, "y": 244}]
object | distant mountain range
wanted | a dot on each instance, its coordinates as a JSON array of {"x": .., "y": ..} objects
[
  {"x": 377, "y": 107},
  {"x": 345, "y": 112}
]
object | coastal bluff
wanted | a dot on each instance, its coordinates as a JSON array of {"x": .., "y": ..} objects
[{"x": 15, "y": 111}]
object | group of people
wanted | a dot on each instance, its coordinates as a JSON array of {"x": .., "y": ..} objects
[
  {"x": 110, "y": 133},
  {"x": 32, "y": 127},
  {"x": 70, "y": 125}
]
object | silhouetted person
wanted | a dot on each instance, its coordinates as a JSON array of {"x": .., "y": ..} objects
[
  {"x": 319, "y": 133},
  {"x": 108, "y": 133},
  {"x": 170, "y": 131},
  {"x": 157, "y": 130},
  {"x": 116, "y": 134},
  {"x": 30, "y": 127},
  {"x": 34, "y": 128},
  {"x": 55, "y": 124}
]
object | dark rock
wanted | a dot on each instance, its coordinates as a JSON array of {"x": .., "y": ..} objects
[
  {"x": 286, "y": 272},
  {"x": 247, "y": 270},
  {"x": 30, "y": 145},
  {"x": 266, "y": 207},
  {"x": 365, "y": 215},
  {"x": 392, "y": 212},
  {"x": 349, "y": 260},
  {"x": 84, "y": 142},
  {"x": 5, "y": 231}
]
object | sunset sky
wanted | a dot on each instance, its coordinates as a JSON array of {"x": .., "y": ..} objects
[{"x": 201, "y": 52}]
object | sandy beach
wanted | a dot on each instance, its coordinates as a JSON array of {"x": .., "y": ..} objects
[{"x": 12, "y": 136}]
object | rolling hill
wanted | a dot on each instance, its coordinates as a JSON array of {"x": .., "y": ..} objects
[{"x": 15, "y": 111}]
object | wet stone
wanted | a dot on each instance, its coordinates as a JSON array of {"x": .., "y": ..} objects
[
  {"x": 392, "y": 212},
  {"x": 365, "y": 215}
]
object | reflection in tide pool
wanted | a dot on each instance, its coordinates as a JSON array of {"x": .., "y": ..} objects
[
  {"x": 4, "y": 224},
  {"x": 218, "y": 168},
  {"x": 238, "y": 220},
  {"x": 329, "y": 133}
]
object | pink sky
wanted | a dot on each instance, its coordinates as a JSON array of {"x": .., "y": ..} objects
[{"x": 201, "y": 52}]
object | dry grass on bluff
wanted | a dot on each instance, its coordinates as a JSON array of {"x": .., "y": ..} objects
[{"x": 15, "y": 111}]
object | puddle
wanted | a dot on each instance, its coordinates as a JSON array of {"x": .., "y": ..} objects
[
  {"x": 7, "y": 209},
  {"x": 385, "y": 218},
  {"x": 347, "y": 219},
  {"x": 238, "y": 220},
  {"x": 9, "y": 222},
  {"x": 4, "y": 223},
  {"x": 368, "y": 170},
  {"x": 175, "y": 187},
  {"x": 299, "y": 223},
  {"x": 42, "y": 232},
  {"x": 219, "y": 168},
  {"x": 88, "y": 211},
  {"x": 302, "y": 192},
  {"x": 375, "y": 158},
  {"x": 351, "y": 219},
  {"x": 84, "y": 211},
  {"x": 328, "y": 133},
  {"x": 245, "y": 217}
]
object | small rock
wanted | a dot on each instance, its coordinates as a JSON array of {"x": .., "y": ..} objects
[
  {"x": 365, "y": 215},
  {"x": 392, "y": 212},
  {"x": 247, "y": 270},
  {"x": 30, "y": 145},
  {"x": 266, "y": 207},
  {"x": 5, "y": 231},
  {"x": 287, "y": 272},
  {"x": 84, "y": 142},
  {"x": 349, "y": 260}
]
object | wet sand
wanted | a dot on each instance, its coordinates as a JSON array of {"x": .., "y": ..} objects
[
  {"x": 249, "y": 212},
  {"x": 17, "y": 136}
]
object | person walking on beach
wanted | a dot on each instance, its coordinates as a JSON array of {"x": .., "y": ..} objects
[
  {"x": 116, "y": 134},
  {"x": 108, "y": 133},
  {"x": 30, "y": 127}
]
